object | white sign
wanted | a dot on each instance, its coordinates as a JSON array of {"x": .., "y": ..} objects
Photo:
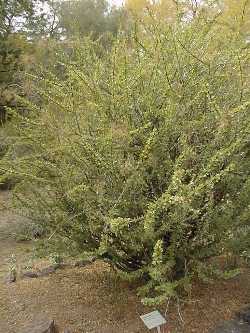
[{"x": 153, "y": 320}]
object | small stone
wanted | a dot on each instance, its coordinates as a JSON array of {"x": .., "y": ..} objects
[
  {"x": 57, "y": 266},
  {"x": 11, "y": 277},
  {"x": 48, "y": 270},
  {"x": 84, "y": 262},
  {"x": 231, "y": 326},
  {"x": 63, "y": 265},
  {"x": 45, "y": 326},
  {"x": 30, "y": 274},
  {"x": 244, "y": 315}
]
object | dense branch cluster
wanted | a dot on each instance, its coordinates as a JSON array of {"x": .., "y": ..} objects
[{"x": 139, "y": 154}]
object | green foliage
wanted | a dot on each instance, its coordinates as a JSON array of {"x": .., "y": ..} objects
[
  {"x": 12, "y": 63},
  {"x": 56, "y": 258},
  {"x": 17, "y": 55},
  {"x": 12, "y": 264},
  {"x": 26, "y": 230},
  {"x": 141, "y": 153}
]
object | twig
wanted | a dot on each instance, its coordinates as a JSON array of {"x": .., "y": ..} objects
[
  {"x": 179, "y": 312},
  {"x": 168, "y": 302}
]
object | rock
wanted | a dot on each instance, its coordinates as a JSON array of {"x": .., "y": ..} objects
[
  {"x": 84, "y": 262},
  {"x": 64, "y": 265},
  {"x": 57, "y": 266},
  {"x": 48, "y": 270},
  {"x": 232, "y": 326},
  {"x": 43, "y": 272},
  {"x": 11, "y": 277},
  {"x": 244, "y": 315},
  {"x": 30, "y": 274},
  {"x": 44, "y": 326},
  {"x": 66, "y": 330}
]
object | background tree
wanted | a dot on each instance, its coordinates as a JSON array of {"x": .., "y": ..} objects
[
  {"x": 236, "y": 15},
  {"x": 85, "y": 17},
  {"x": 16, "y": 46},
  {"x": 169, "y": 10},
  {"x": 12, "y": 13},
  {"x": 18, "y": 54}
]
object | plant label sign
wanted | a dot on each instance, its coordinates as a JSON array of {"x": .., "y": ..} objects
[{"x": 153, "y": 320}]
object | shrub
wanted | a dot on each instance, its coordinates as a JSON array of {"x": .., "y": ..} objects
[{"x": 140, "y": 154}]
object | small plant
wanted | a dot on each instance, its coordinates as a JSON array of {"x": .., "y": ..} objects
[
  {"x": 56, "y": 258},
  {"x": 12, "y": 267},
  {"x": 27, "y": 231},
  {"x": 29, "y": 264}
]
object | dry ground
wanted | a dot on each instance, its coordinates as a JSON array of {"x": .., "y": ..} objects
[{"x": 92, "y": 300}]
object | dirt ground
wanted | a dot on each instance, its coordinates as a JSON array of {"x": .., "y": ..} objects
[{"x": 92, "y": 300}]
